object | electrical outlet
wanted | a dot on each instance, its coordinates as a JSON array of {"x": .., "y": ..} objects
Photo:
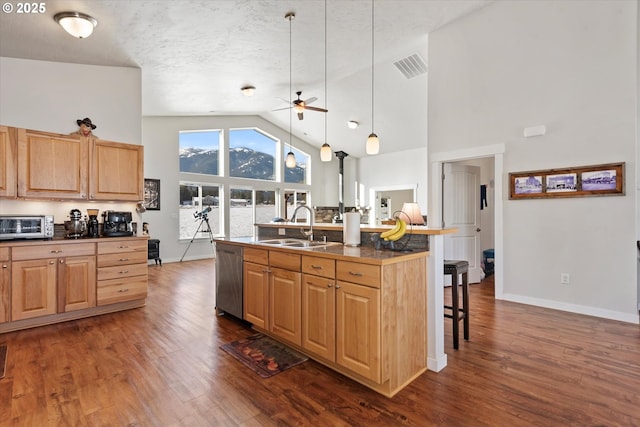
[
  {"x": 565, "y": 278},
  {"x": 282, "y": 232}
]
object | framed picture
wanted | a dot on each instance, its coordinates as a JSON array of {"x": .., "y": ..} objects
[
  {"x": 595, "y": 180},
  {"x": 152, "y": 194}
]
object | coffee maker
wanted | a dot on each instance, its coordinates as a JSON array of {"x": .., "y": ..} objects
[
  {"x": 116, "y": 224},
  {"x": 92, "y": 223}
]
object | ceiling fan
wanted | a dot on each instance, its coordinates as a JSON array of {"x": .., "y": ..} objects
[{"x": 300, "y": 105}]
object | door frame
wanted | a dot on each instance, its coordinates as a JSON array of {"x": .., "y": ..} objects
[{"x": 437, "y": 161}]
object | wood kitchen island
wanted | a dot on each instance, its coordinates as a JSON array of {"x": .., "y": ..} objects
[{"x": 360, "y": 311}]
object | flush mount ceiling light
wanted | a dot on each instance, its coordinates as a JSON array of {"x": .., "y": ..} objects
[
  {"x": 77, "y": 24},
  {"x": 352, "y": 124},
  {"x": 373, "y": 143},
  {"x": 248, "y": 90}
]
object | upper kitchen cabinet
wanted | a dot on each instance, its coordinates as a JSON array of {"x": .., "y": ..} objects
[
  {"x": 52, "y": 165},
  {"x": 8, "y": 159},
  {"x": 117, "y": 171},
  {"x": 70, "y": 167}
]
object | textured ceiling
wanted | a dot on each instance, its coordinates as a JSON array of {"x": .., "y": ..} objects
[{"x": 196, "y": 55}]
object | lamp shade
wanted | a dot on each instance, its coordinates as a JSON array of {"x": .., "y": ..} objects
[
  {"x": 413, "y": 212},
  {"x": 290, "y": 161},
  {"x": 77, "y": 24},
  {"x": 325, "y": 153},
  {"x": 373, "y": 144}
]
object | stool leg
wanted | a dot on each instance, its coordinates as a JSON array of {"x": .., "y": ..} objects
[
  {"x": 455, "y": 308},
  {"x": 465, "y": 303}
]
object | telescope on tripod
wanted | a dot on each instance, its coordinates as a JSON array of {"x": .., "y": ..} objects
[{"x": 204, "y": 221}]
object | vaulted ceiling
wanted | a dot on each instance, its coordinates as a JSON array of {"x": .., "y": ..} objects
[{"x": 195, "y": 56}]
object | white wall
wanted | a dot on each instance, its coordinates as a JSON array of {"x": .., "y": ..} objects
[
  {"x": 51, "y": 96},
  {"x": 160, "y": 136},
  {"x": 572, "y": 66}
]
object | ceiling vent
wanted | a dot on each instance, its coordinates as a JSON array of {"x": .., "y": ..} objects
[{"x": 411, "y": 66}]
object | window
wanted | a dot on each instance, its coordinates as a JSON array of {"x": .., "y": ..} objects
[
  {"x": 199, "y": 210},
  {"x": 199, "y": 151},
  {"x": 252, "y": 154},
  {"x": 294, "y": 198},
  {"x": 248, "y": 207},
  {"x": 297, "y": 175}
]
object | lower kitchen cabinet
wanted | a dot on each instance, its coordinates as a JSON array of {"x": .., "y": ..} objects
[
  {"x": 319, "y": 316},
  {"x": 5, "y": 285},
  {"x": 33, "y": 288},
  {"x": 122, "y": 271},
  {"x": 76, "y": 283},
  {"x": 255, "y": 272},
  {"x": 285, "y": 305}
]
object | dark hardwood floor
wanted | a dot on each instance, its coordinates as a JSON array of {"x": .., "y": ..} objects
[{"x": 161, "y": 365}]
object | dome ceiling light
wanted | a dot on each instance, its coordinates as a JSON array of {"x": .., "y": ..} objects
[{"x": 77, "y": 24}]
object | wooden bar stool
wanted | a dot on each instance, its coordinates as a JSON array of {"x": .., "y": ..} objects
[{"x": 454, "y": 268}]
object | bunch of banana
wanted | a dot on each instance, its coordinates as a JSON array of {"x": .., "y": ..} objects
[{"x": 396, "y": 232}]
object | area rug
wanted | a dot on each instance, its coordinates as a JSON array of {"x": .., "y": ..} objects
[
  {"x": 3, "y": 359},
  {"x": 263, "y": 355}
]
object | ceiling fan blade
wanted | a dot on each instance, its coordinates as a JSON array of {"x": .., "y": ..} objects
[
  {"x": 300, "y": 116},
  {"x": 306, "y": 107},
  {"x": 310, "y": 100},
  {"x": 280, "y": 109}
]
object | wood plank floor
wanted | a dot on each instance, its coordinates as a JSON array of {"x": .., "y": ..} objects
[{"x": 161, "y": 365}]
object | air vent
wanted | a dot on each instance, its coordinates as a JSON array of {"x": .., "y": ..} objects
[{"x": 411, "y": 66}]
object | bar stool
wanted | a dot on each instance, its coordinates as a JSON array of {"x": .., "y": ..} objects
[{"x": 454, "y": 268}]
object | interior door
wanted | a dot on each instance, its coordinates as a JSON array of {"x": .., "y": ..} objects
[{"x": 461, "y": 210}]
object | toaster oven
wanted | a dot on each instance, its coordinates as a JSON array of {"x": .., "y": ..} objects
[{"x": 26, "y": 227}]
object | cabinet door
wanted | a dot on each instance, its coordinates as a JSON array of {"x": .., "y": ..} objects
[
  {"x": 51, "y": 165},
  {"x": 256, "y": 294},
  {"x": 76, "y": 283},
  {"x": 358, "y": 329},
  {"x": 318, "y": 316},
  {"x": 116, "y": 171},
  {"x": 8, "y": 160},
  {"x": 5, "y": 285},
  {"x": 285, "y": 305},
  {"x": 33, "y": 288}
]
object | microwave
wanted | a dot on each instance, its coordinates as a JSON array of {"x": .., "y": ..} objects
[{"x": 26, "y": 227}]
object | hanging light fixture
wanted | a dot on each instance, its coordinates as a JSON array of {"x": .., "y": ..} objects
[
  {"x": 77, "y": 24},
  {"x": 325, "y": 152},
  {"x": 290, "y": 160},
  {"x": 373, "y": 143}
]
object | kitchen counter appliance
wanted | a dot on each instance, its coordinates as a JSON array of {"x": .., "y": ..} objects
[
  {"x": 76, "y": 226},
  {"x": 116, "y": 224},
  {"x": 26, "y": 227}
]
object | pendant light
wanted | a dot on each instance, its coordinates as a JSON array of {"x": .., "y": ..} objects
[
  {"x": 373, "y": 143},
  {"x": 290, "y": 160},
  {"x": 325, "y": 152}
]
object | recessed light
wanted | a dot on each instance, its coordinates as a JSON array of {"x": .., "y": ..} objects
[{"x": 352, "y": 124}]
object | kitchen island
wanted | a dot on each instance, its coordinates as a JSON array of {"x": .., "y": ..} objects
[{"x": 360, "y": 311}]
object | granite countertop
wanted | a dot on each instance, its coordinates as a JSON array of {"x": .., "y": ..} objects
[
  {"x": 63, "y": 240},
  {"x": 362, "y": 254}
]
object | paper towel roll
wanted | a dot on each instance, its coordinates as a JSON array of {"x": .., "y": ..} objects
[{"x": 351, "y": 229}]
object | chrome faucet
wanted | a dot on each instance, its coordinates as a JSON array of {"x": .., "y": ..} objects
[{"x": 308, "y": 234}]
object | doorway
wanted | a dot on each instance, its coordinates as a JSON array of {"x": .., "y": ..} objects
[{"x": 387, "y": 200}]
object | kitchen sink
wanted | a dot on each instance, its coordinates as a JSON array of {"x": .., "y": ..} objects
[{"x": 297, "y": 243}]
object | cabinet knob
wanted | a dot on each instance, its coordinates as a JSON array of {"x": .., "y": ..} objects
[
  {"x": 329, "y": 285},
  {"x": 61, "y": 261},
  {"x": 52, "y": 262},
  {"x": 337, "y": 286},
  {"x": 92, "y": 196},
  {"x": 5, "y": 266}
]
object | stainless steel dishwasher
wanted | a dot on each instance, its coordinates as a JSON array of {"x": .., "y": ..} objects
[{"x": 229, "y": 279}]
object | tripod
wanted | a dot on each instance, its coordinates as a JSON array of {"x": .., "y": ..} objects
[{"x": 204, "y": 220}]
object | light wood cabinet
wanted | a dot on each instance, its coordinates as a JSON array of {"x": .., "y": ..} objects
[
  {"x": 52, "y": 278},
  {"x": 69, "y": 167},
  {"x": 8, "y": 162},
  {"x": 319, "y": 316},
  {"x": 116, "y": 171},
  {"x": 285, "y": 305},
  {"x": 5, "y": 285},
  {"x": 122, "y": 271},
  {"x": 255, "y": 272},
  {"x": 52, "y": 165},
  {"x": 33, "y": 288}
]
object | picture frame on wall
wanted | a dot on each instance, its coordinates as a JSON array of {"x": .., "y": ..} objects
[
  {"x": 595, "y": 180},
  {"x": 152, "y": 194}
]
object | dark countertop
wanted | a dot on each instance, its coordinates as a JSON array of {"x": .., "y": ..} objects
[
  {"x": 362, "y": 254},
  {"x": 63, "y": 240}
]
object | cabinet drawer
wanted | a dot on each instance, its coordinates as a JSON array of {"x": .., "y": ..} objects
[
  {"x": 284, "y": 260},
  {"x": 20, "y": 253},
  {"x": 4, "y": 254},
  {"x": 259, "y": 256},
  {"x": 324, "y": 267},
  {"x": 363, "y": 274},
  {"x": 120, "y": 271},
  {"x": 124, "y": 258},
  {"x": 122, "y": 246},
  {"x": 118, "y": 290}
]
